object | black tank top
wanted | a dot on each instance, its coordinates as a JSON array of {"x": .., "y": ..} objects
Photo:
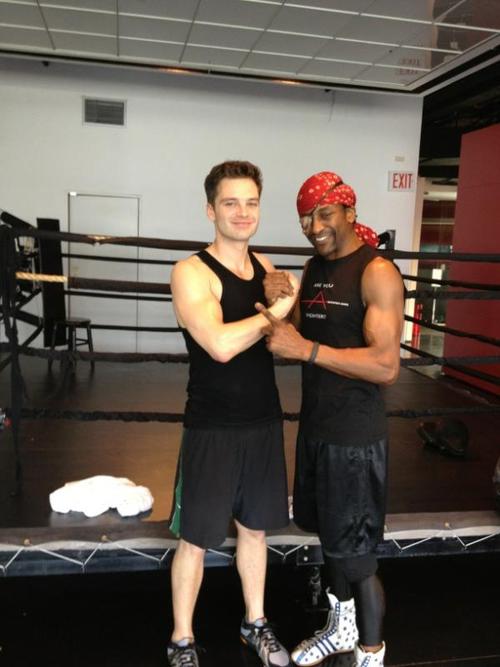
[
  {"x": 335, "y": 408},
  {"x": 243, "y": 391}
]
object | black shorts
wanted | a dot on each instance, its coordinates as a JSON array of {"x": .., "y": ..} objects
[
  {"x": 230, "y": 472},
  {"x": 340, "y": 494}
]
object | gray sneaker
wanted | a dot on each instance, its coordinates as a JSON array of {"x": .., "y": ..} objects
[
  {"x": 182, "y": 654},
  {"x": 260, "y": 637}
]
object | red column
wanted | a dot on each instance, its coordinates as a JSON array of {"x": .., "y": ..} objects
[{"x": 476, "y": 230}]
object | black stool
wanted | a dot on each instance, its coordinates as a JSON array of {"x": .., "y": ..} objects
[{"x": 72, "y": 324}]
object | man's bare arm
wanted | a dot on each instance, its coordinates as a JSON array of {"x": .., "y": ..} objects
[
  {"x": 198, "y": 309},
  {"x": 382, "y": 291}
]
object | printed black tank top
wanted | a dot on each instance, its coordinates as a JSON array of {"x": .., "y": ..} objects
[{"x": 335, "y": 408}]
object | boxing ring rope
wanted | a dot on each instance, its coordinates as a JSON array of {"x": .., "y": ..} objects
[{"x": 307, "y": 548}]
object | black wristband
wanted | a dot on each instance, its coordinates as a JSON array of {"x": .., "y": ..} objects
[{"x": 314, "y": 352}]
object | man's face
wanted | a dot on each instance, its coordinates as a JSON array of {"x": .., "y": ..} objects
[
  {"x": 236, "y": 209},
  {"x": 330, "y": 229}
]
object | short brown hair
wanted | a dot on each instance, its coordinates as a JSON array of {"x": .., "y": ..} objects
[{"x": 231, "y": 169}]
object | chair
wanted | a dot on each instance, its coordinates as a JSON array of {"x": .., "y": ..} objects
[
  {"x": 71, "y": 326},
  {"x": 58, "y": 328}
]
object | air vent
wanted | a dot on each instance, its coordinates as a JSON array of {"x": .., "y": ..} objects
[{"x": 104, "y": 112}]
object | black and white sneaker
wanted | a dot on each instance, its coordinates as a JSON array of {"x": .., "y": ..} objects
[
  {"x": 182, "y": 653},
  {"x": 260, "y": 637}
]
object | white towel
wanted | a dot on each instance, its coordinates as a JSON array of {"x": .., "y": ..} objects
[{"x": 96, "y": 495}]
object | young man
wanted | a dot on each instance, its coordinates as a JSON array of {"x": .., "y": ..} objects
[
  {"x": 349, "y": 319},
  {"x": 231, "y": 462}
]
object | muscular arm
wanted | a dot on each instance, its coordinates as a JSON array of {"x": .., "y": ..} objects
[
  {"x": 198, "y": 309},
  {"x": 382, "y": 291}
]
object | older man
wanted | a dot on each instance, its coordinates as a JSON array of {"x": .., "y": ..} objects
[{"x": 348, "y": 323}]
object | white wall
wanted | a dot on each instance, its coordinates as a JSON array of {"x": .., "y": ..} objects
[{"x": 177, "y": 128}]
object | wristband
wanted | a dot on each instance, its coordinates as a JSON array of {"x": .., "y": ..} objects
[{"x": 314, "y": 352}]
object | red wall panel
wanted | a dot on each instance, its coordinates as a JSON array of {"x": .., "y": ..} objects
[{"x": 477, "y": 230}]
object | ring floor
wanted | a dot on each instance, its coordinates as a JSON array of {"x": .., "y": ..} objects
[{"x": 441, "y": 610}]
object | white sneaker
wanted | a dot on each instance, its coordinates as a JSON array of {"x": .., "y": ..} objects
[
  {"x": 366, "y": 659},
  {"x": 339, "y": 635}
]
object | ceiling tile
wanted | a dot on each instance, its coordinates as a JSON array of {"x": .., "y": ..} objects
[
  {"x": 408, "y": 9},
  {"x": 208, "y": 57},
  {"x": 388, "y": 75},
  {"x": 479, "y": 13},
  {"x": 353, "y": 50},
  {"x": 147, "y": 28},
  {"x": 291, "y": 44},
  {"x": 342, "y": 5},
  {"x": 236, "y": 12},
  {"x": 87, "y": 43},
  {"x": 68, "y": 19},
  {"x": 138, "y": 48},
  {"x": 25, "y": 38},
  {"x": 410, "y": 58},
  {"x": 281, "y": 64},
  {"x": 310, "y": 21},
  {"x": 380, "y": 30},
  {"x": 104, "y": 5},
  {"x": 330, "y": 70},
  {"x": 216, "y": 36},
  {"x": 175, "y": 9},
  {"x": 23, "y": 15},
  {"x": 440, "y": 37}
]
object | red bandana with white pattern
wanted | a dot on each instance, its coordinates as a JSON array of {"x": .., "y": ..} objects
[{"x": 325, "y": 188}]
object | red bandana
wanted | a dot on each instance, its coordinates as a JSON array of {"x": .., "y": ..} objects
[{"x": 326, "y": 188}]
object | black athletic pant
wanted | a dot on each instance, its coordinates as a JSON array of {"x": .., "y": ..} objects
[{"x": 356, "y": 577}]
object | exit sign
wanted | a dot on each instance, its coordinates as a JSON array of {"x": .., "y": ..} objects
[{"x": 402, "y": 181}]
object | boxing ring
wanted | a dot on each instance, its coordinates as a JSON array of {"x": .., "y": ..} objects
[{"x": 78, "y": 422}]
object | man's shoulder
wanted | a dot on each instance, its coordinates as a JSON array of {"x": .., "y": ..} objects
[
  {"x": 263, "y": 260},
  {"x": 191, "y": 268}
]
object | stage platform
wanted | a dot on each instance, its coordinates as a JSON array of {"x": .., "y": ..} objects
[{"x": 437, "y": 504}]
